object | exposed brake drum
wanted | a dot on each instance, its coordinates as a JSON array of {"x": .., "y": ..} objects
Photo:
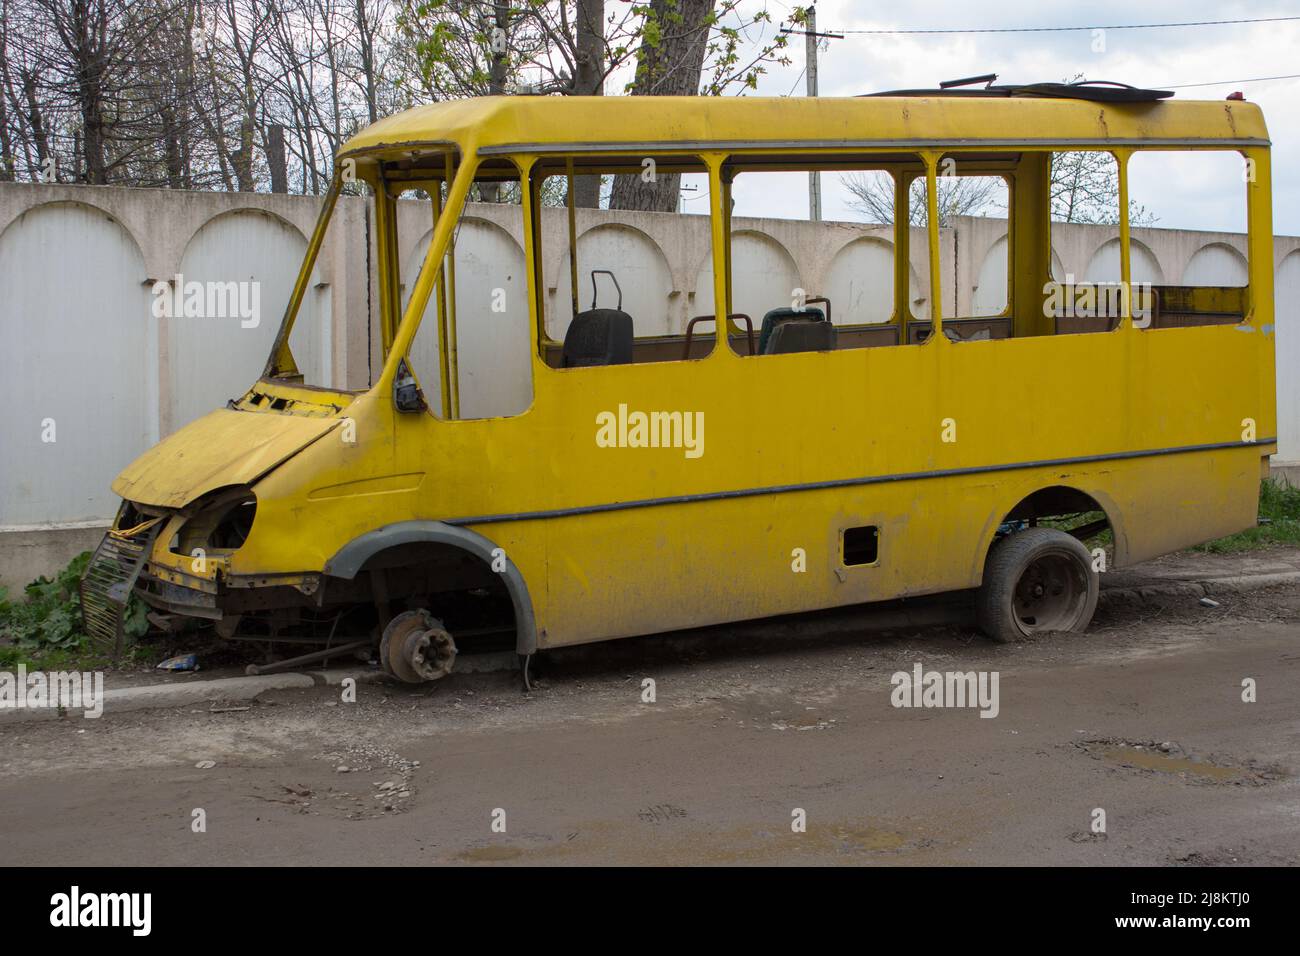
[{"x": 416, "y": 648}]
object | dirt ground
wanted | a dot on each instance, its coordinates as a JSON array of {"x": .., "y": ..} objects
[{"x": 1141, "y": 718}]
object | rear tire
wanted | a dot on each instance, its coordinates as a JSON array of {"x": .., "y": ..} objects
[{"x": 1036, "y": 581}]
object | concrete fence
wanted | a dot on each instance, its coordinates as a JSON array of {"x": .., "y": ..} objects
[{"x": 89, "y": 377}]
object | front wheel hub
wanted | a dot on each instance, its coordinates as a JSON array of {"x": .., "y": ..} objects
[{"x": 416, "y": 648}]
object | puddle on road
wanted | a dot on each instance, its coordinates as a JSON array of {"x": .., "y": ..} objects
[
  {"x": 489, "y": 854},
  {"x": 1167, "y": 763},
  {"x": 1171, "y": 759},
  {"x": 692, "y": 845},
  {"x": 861, "y": 839}
]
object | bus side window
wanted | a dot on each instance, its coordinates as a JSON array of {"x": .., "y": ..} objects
[
  {"x": 1204, "y": 192},
  {"x": 1083, "y": 292},
  {"x": 484, "y": 309},
  {"x": 826, "y": 283},
  {"x": 974, "y": 207},
  {"x": 616, "y": 234}
]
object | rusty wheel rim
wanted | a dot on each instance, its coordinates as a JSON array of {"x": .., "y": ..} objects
[{"x": 1050, "y": 594}]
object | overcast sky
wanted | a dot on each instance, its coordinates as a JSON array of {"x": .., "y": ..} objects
[{"x": 1180, "y": 195}]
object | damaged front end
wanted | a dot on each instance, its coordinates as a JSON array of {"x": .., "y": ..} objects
[
  {"x": 111, "y": 576},
  {"x": 178, "y": 562},
  {"x": 188, "y": 507}
]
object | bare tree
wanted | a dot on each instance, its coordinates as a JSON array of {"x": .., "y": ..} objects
[
  {"x": 260, "y": 94},
  {"x": 93, "y": 90},
  {"x": 7, "y": 127},
  {"x": 1085, "y": 188},
  {"x": 873, "y": 196}
]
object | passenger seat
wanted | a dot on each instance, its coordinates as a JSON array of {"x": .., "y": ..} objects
[
  {"x": 802, "y": 336},
  {"x": 776, "y": 316},
  {"x": 598, "y": 337}
]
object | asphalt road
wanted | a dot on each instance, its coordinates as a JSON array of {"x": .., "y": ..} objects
[{"x": 1141, "y": 718}]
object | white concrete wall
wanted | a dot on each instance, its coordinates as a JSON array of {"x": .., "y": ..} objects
[
  {"x": 80, "y": 350},
  {"x": 1172, "y": 256},
  {"x": 79, "y": 346},
  {"x": 1286, "y": 295}
]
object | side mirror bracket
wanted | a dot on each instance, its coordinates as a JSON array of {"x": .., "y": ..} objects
[{"x": 407, "y": 396}]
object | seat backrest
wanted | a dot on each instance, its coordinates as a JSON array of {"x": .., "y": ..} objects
[
  {"x": 776, "y": 316},
  {"x": 801, "y": 336},
  {"x": 598, "y": 337}
]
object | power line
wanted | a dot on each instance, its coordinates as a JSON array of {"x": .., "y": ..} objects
[
  {"x": 814, "y": 33},
  {"x": 1117, "y": 26},
  {"x": 798, "y": 81},
  {"x": 1253, "y": 79}
]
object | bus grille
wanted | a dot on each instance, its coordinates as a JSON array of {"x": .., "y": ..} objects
[{"x": 106, "y": 585}]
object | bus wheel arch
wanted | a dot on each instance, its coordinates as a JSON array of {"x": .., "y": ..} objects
[
  {"x": 1033, "y": 502},
  {"x": 350, "y": 560},
  {"x": 1039, "y": 578}
]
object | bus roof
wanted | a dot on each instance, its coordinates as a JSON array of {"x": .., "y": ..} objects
[{"x": 503, "y": 124}]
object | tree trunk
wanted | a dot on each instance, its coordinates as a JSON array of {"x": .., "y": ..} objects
[
  {"x": 497, "y": 72},
  {"x": 669, "y": 63},
  {"x": 275, "y": 158},
  {"x": 365, "y": 37},
  {"x": 93, "y": 123},
  {"x": 7, "y": 162},
  {"x": 85, "y": 39},
  {"x": 242, "y": 158},
  {"x": 35, "y": 119},
  {"x": 589, "y": 80},
  {"x": 172, "y": 149}
]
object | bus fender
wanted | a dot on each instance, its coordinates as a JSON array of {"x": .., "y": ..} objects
[
  {"x": 1105, "y": 503},
  {"x": 352, "y": 556}
]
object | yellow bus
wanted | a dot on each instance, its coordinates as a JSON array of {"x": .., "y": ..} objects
[{"x": 656, "y": 474}]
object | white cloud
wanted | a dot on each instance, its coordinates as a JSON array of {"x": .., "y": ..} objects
[{"x": 869, "y": 63}]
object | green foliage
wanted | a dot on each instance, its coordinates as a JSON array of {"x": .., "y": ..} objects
[
  {"x": 723, "y": 68},
  {"x": 136, "y": 624},
  {"x": 1103, "y": 538},
  {"x": 50, "y": 616},
  {"x": 63, "y": 659},
  {"x": 444, "y": 49},
  {"x": 1279, "y": 505}
]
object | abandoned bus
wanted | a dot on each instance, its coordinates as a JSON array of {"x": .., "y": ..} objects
[{"x": 564, "y": 440}]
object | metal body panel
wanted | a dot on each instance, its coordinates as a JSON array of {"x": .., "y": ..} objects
[
  {"x": 517, "y": 124},
  {"x": 606, "y": 542},
  {"x": 222, "y": 448}
]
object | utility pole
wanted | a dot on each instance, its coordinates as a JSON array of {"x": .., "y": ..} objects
[
  {"x": 811, "y": 38},
  {"x": 500, "y": 43},
  {"x": 810, "y": 58}
]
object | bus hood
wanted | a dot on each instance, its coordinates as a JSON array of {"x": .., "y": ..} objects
[{"x": 225, "y": 447}]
